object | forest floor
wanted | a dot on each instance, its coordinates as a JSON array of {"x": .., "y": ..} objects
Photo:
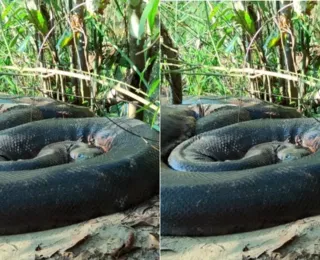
[
  {"x": 299, "y": 240},
  {"x": 133, "y": 234}
]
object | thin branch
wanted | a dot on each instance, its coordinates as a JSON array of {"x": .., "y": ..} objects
[
  {"x": 253, "y": 73},
  {"x": 43, "y": 72}
]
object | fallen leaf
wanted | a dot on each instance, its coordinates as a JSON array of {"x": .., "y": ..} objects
[
  {"x": 148, "y": 221},
  {"x": 269, "y": 247},
  {"x": 124, "y": 248},
  {"x": 79, "y": 242},
  {"x": 62, "y": 245},
  {"x": 154, "y": 241}
]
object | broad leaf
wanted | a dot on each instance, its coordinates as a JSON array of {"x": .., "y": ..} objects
[
  {"x": 231, "y": 45},
  {"x": 38, "y": 20},
  {"x": 24, "y": 44},
  {"x": 272, "y": 41},
  {"x": 245, "y": 21},
  {"x": 221, "y": 41},
  {"x": 149, "y": 14},
  {"x": 65, "y": 40},
  {"x": 154, "y": 86}
]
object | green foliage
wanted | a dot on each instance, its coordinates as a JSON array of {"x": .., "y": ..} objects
[
  {"x": 244, "y": 19},
  {"x": 13, "y": 88},
  {"x": 149, "y": 14},
  {"x": 31, "y": 34},
  {"x": 272, "y": 40},
  {"x": 219, "y": 34},
  {"x": 40, "y": 23},
  {"x": 66, "y": 39}
]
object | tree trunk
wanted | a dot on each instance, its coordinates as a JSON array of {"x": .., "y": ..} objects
[{"x": 171, "y": 53}]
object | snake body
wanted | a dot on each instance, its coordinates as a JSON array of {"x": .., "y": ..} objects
[
  {"x": 52, "y": 154},
  {"x": 16, "y": 111},
  {"x": 193, "y": 156},
  {"x": 35, "y": 198},
  {"x": 204, "y": 201}
]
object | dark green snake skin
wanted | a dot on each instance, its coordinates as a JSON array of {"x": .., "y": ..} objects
[
  {"x": 203, "y": 201},
  {"x": 20, "y": 110},
  {"x": 39, "y": 199}
]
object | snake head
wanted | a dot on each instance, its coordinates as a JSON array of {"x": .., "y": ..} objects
[
  {"x": 292, "y": 153},
  {"x": 82, "y": 151},
  {"x": 311, "y": 139}
]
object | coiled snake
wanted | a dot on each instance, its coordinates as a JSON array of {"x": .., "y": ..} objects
[
  {"x": 204, "y": 201},
  {"x": 44, "y": 198}
]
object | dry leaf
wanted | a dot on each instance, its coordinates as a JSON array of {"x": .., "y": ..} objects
[
  {"x": 61, "y": 246},
  {"x": 269, "y": 247},
  {"x": 125, "y": 248},
  {"x": 154, "y": 241},
  {"x": 148, "y": 221}
]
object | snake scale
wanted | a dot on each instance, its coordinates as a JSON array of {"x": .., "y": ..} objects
[
  {"x": 44, "y": 198},
  {"x": 199, "y": 200}
]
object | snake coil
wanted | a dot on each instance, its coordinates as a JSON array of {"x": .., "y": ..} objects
[{"x": 201, "y": 201}]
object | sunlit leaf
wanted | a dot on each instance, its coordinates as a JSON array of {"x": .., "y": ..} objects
[
  {"x": 214, "y": 11},
  {"x": 221, "y": 41},
  {"x": 65, "y": 40},
  {"x": 149, "y": 14},
  {"x": 17, "y": 14},
  {"x": 224, "y": 14},
  {"x": 7, "y": 10},
  {"x": 153, "y": 13},
  {"x": 272, "y": 40},
  {"x": 154, "y": 86},
  {"x": 38, "y": 20},
  {"x": 14, "y": 41},
  {"x": 245, "y": 21},
  {"x": 249, "y": 23}
]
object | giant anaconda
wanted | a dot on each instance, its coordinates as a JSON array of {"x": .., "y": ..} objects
[
  {"x": 20, "y": 110},
  {"x": 38, "y": 199},
  {"x": 230, "y": 201}
]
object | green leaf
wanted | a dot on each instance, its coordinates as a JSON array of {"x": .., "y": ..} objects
[
  {"x": 226, "y": 15},
  {"x": 24, "y": 44},
  {"x": 153, "y": 13},
  {"x": 245, "y": 21},
  {"x": 65, "y": 39},
  {"x": 214, "y": 11},
  {"x": 149, "y": 13},
  {"x": 13, "y": 88},
  {"x": 154, "y": 86},
  {"x": 220, "y": 42},
  {"x": 231, "y": 45},
  {"x": 14, "y": 41},
  {"x": 38, "y": 20},
  {"x": 18, "y": 14},
  {"x": 272, "y": 40},
  {"x": 249, "y": 23},
  {"x": 7, "y": 10}
]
